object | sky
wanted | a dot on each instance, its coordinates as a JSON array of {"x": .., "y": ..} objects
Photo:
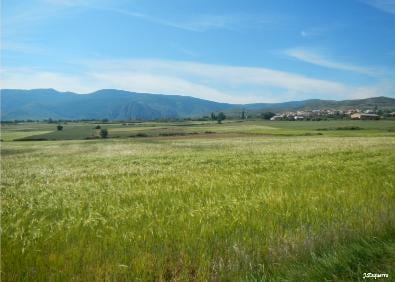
[{"x": 221, "y": 50}]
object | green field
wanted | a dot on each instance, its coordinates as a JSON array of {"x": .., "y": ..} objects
[
  {"x": 83, "y": 131},
  {"x": 182, "y": 201}
]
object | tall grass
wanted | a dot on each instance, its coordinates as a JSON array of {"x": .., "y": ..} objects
[{"x": 252, "y": 208}]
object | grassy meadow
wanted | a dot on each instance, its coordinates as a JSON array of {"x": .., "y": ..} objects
[{"x": 198, "y": 201}]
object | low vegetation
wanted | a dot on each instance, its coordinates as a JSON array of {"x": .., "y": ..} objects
[
  {"x": 103, "y": 133},
  {"x": 232, "y": 202},
  {"x": 341, "y": 128},
  {"x": 86, "y": 130}
]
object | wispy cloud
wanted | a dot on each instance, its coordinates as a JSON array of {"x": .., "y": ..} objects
[
  {"x": 315, "y": 31},
  {"x": 221, "y": 75},
  {"x": 381, "y": 88},
  {"x": 199, "y": 23},
  {"x": 383, "y": 5},
  {"x": 30, "y": 78},
  {"x": 21, "y": 47},
  {"x": 235, "y": 84},
  {"x": 322, "y": 29},
  {"x": 317, "y": 59},
  {"x": 196, "y": 23},
  {"x": 74, "y": 3}
]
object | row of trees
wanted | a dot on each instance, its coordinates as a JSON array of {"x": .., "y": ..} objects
[
  {"x": 219, "y": 118},
  {"x": 243, "y": 115}
]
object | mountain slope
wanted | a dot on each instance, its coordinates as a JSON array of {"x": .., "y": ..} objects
[
  {"x": 124, "y": 105},
  {"x": 111, "y": 104}
]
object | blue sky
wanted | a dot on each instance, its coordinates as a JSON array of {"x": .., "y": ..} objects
[{"x": 230, "y": 51}]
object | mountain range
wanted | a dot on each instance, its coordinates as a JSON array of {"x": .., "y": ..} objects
[{"x": 114, "y": 104}]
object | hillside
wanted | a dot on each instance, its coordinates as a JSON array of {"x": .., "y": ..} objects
[
  {"x": 111, "y": 104},
  {"x": 124, "y": 105}
]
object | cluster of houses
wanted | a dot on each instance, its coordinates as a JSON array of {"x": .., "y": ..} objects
[{"x": 317, "y": 114}]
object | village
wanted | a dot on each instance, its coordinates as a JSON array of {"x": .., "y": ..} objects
[{"x": 318, "y": 114}]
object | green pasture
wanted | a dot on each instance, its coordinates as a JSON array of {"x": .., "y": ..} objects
[{"x": 81, "y": 131}]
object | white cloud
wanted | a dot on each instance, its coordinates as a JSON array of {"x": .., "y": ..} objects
[
  {"x": 313, "y": 31},
  {"x": 74, "y": 3},
  {"x": 233, "y": 75},
  {"x": 189, "y": 26},
  {"x": 19, "y": 78},
  {"x": 316, "y": 59},
  {"x": 197, "y": 23},
  {"x": 222, "y": 77},
  {"x": 154, "y": 83},
  {"x": 387, "y": 6},
  {"x": 207, "y": 81},
  {"x": 382, "y": 88}
]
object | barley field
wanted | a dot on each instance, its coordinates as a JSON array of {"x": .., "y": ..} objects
[{"x": 222, "y": 206}]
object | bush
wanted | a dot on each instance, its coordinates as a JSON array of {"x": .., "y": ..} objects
[
  {"x": 221, "y": 116},
  {"x": 341, "y": 128},
  {"x": 59, "y": 127},
  {"x": 172, "y": 133},
  {"x": 267, "y": 115},
  {"x": 97, "y": 127},
  {"x": 349, "y": 128},
  {"x": 139, "y": 135},
  {"x": 213, "y": 116},
  {"x": 103, "y": 133}
]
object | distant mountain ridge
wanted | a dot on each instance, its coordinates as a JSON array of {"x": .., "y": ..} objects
[{"x": 124, "y": 105}]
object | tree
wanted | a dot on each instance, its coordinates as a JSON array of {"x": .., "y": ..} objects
[
  {"x": 243, "y": 114},
  {"x": 59, "y": 127},
  {"x": 97, "y": 127},
  {"x": 213, "y": 117},
  {"x": 103, "y": 133},
  {"x": 221, "y": 116},
  {"x": 267, "y": 115}
]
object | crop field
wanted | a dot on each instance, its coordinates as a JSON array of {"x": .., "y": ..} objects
[
  {"x": 198, "y": 201},
  {"x": 83, "y": 131}
]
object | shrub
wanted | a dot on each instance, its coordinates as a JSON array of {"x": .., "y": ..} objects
[
  {"x": 267, "y": 115},
  {"x": 221, "y": 116},
  {"x": 139, "y": 135},
  {"x": 243, "y": 114},
  {"x": 103, "y": 133},
  {"x": 213, "y": 116},
  {"x": 349, "y": 128},
  {"x": 59, "y": 127},
  {"x": 172, "y": 134}
]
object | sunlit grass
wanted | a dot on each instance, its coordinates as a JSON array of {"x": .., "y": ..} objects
[{"x": 217, "y": 208}]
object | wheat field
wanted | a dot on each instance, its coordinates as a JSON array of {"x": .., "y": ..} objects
[{"x": 247, "y": 208}]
